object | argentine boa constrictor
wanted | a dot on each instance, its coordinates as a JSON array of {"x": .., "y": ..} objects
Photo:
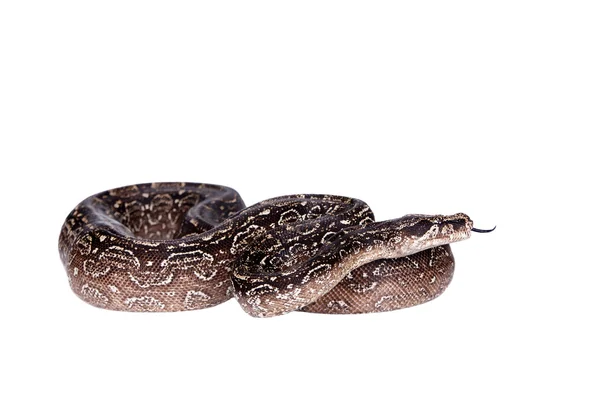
[{"x": 187, "y": 246}]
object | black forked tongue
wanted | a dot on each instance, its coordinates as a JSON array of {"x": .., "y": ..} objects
[{"x": 483, "y": 230}]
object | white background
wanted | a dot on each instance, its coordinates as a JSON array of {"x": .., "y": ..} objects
[{"x": 487, "y": 108}]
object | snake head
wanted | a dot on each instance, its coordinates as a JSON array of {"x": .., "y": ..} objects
[{"x": 435, "y": 230}]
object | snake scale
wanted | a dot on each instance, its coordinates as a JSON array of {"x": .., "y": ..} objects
[{"x": 187, "y": 246}]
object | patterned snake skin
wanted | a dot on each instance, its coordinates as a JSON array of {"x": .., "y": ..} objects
[{"x": 187, "y": 246}]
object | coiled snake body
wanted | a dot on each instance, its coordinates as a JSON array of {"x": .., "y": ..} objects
[{"x": 186, "y": 246}]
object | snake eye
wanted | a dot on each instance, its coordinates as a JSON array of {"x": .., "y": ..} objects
[{"x": 456, "y": 224}]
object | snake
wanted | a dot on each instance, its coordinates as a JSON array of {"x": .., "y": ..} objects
[{"x": 176, "y": 246}]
